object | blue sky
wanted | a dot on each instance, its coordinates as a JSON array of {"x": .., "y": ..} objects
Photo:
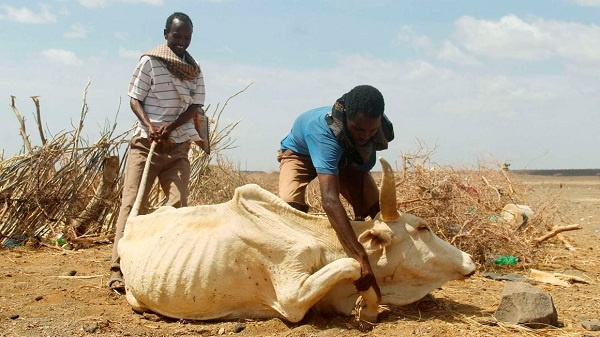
[{"x": 479, "y": 81}]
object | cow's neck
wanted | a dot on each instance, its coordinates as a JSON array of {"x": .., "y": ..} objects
[
  {"x": 255, "y": 202},
  {"x": 321, "y": 228}
]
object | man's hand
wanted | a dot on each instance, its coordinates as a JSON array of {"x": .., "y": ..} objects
[
  {"x": 164, "y": 131},
  {"x": 367, "y": 280},
  {"x": 160, "y": 135}
]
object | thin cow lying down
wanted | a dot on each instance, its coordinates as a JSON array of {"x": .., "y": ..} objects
[{"x": 257, "y": 257}]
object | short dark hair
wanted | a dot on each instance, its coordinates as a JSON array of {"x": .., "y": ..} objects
[
  {"x": 365, "y": 99},
  {"x": 177, "y": 15}
]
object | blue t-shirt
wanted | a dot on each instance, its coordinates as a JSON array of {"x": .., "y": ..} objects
[{"x": 311, "y": 136}]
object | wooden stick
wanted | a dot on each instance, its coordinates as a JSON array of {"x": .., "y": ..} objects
[
  {"x": 512, "y": 191},
  {"x": 565, "y": 242},
  {"x": 140, "y": 194},
  {"x": 492, "y": 187},
  {"x": 555, "y": 230},
  {"x": 571, "y": 278},
  {"x": 22, "y": 123},
  {"x": 84, "y": 110},
  {"x": 38, "y": 119},
  {"x": 92, "y": 210}
]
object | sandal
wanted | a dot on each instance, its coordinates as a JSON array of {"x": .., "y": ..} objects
[{"x": 116, "y": 282}]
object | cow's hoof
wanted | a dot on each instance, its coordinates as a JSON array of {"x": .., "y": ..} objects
[
  {"x": 367, "y": 315},
  {"x": 366, "y": 312}
]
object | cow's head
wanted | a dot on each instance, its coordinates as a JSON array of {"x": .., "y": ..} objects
[{"x": 409, "y": 260}]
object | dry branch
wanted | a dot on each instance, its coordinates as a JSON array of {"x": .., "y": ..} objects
[
  {"x": 38, "y": 119},
  {"x": 22, "y": 130},
  {"x": 567, "y": 244},
  {"x": 492, "y": 187},
  {"x": 83, "y": 113},
  {"x": 93, "y": 209},
  {"x": 555, "y": 230}
]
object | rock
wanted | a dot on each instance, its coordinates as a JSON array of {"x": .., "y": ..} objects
[
  {"x": 90, "y": 328},
  {"x": 591, "y": 325},
  {"x": 221, "y": 331},
  {"x": 39, "y": 298},
  {"x": 525, "y": 304},
  {"x": 15, "y": 316}
]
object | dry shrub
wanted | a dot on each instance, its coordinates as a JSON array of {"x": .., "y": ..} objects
[
  {"x": 268, "y": 181},
  {"x": 61, "y": 187},
  {"x": 47, "y": 191},
  {"x": 217, "y": 183},
  {"x": 464, "y": 207}
]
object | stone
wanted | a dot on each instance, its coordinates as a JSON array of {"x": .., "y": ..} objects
[
  {"x": 528, "y": 305},
  {"x": 591, "y": 325},
  {"x": 91, "y": 328}
]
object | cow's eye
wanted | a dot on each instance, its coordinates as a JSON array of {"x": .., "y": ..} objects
[{"x": 423, "y": 228}]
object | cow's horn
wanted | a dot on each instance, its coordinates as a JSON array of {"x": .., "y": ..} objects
[{"x": 387, "y": 193}]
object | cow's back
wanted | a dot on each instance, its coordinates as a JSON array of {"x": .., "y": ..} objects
[{"x": 212, "y": 261}]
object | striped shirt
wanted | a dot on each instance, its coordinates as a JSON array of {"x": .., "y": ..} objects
[{"x": 165, "y": 97}]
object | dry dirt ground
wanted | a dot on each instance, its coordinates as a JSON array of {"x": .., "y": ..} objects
[{"x": 37, "y": 298}]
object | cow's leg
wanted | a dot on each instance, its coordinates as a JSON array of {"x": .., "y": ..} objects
[
  {"x": 368, "y": 305},
  {"x": 302, "y": 294},
  {"x": 135, "y": 304}
]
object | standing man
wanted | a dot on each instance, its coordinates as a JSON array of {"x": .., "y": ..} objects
[
  {"x": 166, "y": 93},
  {"x": 337, "y": 145}
]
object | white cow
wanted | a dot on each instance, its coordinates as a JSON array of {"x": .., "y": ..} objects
[{"x": 257, "y": 257}]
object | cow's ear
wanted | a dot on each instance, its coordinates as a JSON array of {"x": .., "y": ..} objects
[{"x": 376, "y": 238}]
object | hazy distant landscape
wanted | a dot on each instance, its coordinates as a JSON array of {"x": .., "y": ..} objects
[{"x": 566, "y": 173}]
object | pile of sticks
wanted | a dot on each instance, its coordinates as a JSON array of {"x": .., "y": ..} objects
[{"x": 68, "y": 186}]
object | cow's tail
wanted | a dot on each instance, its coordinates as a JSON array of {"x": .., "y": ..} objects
[{"x": 135, "y": 210}]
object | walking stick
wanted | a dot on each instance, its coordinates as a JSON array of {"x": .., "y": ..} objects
[{"x": 140, "y": 193}]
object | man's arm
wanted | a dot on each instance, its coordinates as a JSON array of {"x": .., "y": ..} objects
[
  {"x": 137, "y": 107},
  {"x": 330, "y": 196}
]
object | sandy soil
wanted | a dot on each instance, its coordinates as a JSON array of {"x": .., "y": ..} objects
[{"x": 38, "y": 298}]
